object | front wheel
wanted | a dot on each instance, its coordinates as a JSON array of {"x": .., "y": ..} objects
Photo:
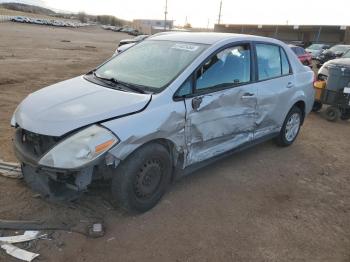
[
  {"x": 290, "y": 128},
  {"x": 332, "y": 113},
  {"x": 142, "y": 179}
]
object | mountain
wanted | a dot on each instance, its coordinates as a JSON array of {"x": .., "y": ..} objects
[
  {"x": 40, "y": 3},
  {"x": 27, "y": 8}
]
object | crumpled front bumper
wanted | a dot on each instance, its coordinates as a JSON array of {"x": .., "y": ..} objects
[{"x": 51, "y": 183}]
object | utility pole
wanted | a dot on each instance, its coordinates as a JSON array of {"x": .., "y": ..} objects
[
  {"x": 219, "y": 20},
  {"x": 165, "y": 13}
]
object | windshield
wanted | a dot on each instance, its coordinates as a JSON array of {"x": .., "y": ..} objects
[
  {"x": 339, "y": 48},
  {"x": 315, "y": 47},
  {"x": 151, "y": 64},
  {"x": 346, "y": 55}
]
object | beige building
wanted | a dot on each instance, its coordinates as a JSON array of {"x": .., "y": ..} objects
[
  {"x": 304, "y": 33},
  {"x": 151, "y": 26}
]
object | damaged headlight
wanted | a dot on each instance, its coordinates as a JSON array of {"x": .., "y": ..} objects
[{"x": 80, "y": 148}]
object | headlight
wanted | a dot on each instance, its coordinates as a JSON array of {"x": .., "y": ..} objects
[{"x": 80, "y": 148}]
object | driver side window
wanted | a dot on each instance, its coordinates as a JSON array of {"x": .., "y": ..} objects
[{"x": 227, "y": 68}]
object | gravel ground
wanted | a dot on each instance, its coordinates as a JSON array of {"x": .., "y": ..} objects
[{"x": 263, "y": 204}]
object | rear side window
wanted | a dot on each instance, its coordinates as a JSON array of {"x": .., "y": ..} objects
[{"x": 272, "y": 61}]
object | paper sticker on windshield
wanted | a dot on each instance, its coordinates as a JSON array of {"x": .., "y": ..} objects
[{"x": 187, "y": 47}]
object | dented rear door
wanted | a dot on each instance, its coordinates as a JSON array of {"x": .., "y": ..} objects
[{"x": 276, "y": 87}]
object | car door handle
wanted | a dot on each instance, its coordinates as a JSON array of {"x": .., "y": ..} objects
[
  {"x": 247, "y": 95},
  {"x": 290, "y": 85}
]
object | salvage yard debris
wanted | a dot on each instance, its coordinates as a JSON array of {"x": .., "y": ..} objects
[
  {"x": 6, "y": 244},
  {"x": 93, "y": 230},
  {"x": 11, "y": 170}
]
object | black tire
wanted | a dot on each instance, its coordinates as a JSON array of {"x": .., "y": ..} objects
[
  {"x": 332, "y": 113},
  {"x": 283, "y": 139},
  {"x": 345, "y": 115},
  {"x": 317, "y": 106},
  {"x": 142, "y": 179}
]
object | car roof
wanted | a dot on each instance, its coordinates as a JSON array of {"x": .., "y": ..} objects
[
  {"x": 342, "y": 45},
  {"x": 208, "y": 38}
]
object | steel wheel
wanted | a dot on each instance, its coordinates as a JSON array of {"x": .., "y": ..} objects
[
  {"x": 142, "y": 179},
  {"x": 148, "y": 179}
]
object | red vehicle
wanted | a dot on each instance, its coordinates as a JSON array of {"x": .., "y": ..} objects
[{"x": 304, "y": 57}]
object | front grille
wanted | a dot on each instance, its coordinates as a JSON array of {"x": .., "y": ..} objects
[{"x": 35, "y": 145}]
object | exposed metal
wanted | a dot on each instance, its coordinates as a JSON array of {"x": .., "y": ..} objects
[
  {"x": 6, "y": 244},
  {"x": 45, "y": 225}
]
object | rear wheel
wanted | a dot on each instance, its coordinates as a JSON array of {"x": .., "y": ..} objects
[
  {"x": 142, "y": 179},
  {"x": 332, "y": 113},
  {"x": 290, "y": 128}
]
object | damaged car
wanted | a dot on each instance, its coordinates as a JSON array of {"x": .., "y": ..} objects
[{"x": 170, "y": 105}]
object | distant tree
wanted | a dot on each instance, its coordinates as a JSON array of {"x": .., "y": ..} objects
[{"x": 82, "y": 17}]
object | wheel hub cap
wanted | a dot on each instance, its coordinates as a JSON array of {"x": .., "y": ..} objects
[{"x": 292, "y": 127}]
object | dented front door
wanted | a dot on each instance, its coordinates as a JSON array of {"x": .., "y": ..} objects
[
  {"x": 220, "y": 121},
  {"x": 221, "y": 115}
]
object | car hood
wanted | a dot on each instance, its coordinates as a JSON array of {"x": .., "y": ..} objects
[
  {"x": 68, "y": 105},
  {"x": 313, "y": 51},
  {"x": 345, "y": 62},
  {"x": 341, "y": 62}
]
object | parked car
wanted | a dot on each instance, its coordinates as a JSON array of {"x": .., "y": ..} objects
[
  {"x": 122, "y": 48},
  {"x": 332, "y": 53},
  {"x": 304, "y": 57},
  {"x": 298, "y": 43},
  {"x": 133, "y": 40},
  {"x": 316, "y": 49},
  {"x": 126, "y": 29},
  {"x": 343, "y": 61},
  {"x": 169, "y": 105},
  {"x": 49, "y": 22},
  {"x": 19, "y": 19}
]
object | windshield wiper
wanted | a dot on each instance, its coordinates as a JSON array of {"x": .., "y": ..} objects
[
  {"x": 118, "y": 83},
  {"x": 132, "y": 87},
  {"x": 113, "y": 80}
]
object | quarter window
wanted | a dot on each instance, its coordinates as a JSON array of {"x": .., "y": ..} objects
[
  {"x": 227, "y": 68},
  {"x": 285, "y": 64},
  {"x": 272, "y": 61}
]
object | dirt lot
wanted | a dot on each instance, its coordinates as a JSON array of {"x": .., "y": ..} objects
[{"x": 264, "y": 204}]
